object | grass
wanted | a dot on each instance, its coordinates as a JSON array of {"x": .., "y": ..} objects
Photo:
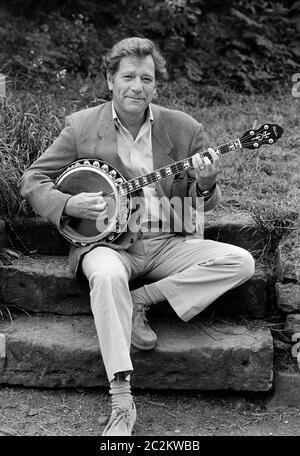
[
  {"x": 29, "y": 123},
  {"x": 274, "y": 221},
  {"x": 258, "y": 178},
  {"x": 10, "y": 311},
  {"x": 264, "y": 182}
]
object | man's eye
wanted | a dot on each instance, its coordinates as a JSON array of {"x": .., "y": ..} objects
[
  {"x": 127, "y": 77},
  {"x": 148, "y": 80}
]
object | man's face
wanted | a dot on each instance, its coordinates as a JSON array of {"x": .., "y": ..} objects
[{"x": 133, "y": 85}]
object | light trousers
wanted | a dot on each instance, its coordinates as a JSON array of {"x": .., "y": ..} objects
[{"x": 190, "y": 272}]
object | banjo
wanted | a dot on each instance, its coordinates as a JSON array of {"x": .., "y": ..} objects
[{"x": 93, "y": 175}]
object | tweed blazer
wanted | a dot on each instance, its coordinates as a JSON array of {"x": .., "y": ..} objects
[{"x": 91, "y": 133}]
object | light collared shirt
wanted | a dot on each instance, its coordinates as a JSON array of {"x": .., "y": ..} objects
[{"x": 137, "y": 156}]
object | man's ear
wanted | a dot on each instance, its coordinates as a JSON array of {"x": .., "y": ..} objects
[{"x": 110, "y": 81}]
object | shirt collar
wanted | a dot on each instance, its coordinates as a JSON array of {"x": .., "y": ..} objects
[{"x": 149, "y": 118}]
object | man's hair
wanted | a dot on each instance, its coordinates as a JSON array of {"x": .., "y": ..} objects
[{"x": 134, "y": 47}]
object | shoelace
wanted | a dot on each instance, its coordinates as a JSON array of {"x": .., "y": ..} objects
[
  {"x": 122, "y": 419},
  {"x": 118, "y": 414},
  {"x": 142, "y": 308}
]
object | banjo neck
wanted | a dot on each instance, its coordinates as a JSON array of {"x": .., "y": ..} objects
[
  {"x": 137, "y": 183},
  {"x": 266, "y": 134},
  {"x": 87, "y": 175}
]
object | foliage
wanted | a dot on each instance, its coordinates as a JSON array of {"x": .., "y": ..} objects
[
  {"x": 28, "y": 126},
  {"x": 42, "y": 54},
  {"x": 214, "y": 49},
  {"x": 11, "y": 312},
  {"x": 274, "y": 221},
  {"x": 248, "y": 46},
  {"x": 31, "y": 121}
]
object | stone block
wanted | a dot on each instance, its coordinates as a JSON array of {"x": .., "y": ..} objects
[
  {"x": 288, "y": 297},
  {"x": 288, "y": 259},
  {"x": 44, "y": 284},
  {"x": 292, "y": 325},
  {"x": 36, "y": 235},
  {"x": 237, "y": 229},
  {"x": 286, "y": 389},
  {"x": 59, "y": 351}
]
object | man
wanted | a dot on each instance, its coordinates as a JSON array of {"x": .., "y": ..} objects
[{"x": 137, "y": 136}]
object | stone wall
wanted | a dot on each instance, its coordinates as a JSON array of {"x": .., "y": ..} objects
[{"x": 288, "y": 289}]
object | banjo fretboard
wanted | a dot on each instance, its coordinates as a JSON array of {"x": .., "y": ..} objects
[{"x": 135, "y": 184}]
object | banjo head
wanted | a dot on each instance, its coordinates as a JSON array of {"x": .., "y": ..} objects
[{"x": 93, "y": 176}]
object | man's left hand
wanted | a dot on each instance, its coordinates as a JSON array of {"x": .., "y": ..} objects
[{"x": 206, "y": 169}]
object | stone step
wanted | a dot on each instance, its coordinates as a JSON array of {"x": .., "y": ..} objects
[
  {"x": 34, "y": 234},
  {"x": 288, "y": 296},
  {"x": 292, "y": 327},
  {"x": 234, "y": 228},
  {"x": 287, "y": 259},
  {"x": 286, "y": 389},
  {"x": 43, "y": 283},
  {"x": 61, "y": 351}
]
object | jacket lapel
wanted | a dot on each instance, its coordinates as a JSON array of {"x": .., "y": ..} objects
[
  {"x": 161, "y": 148},
  {"x": 107, "y": 147}
]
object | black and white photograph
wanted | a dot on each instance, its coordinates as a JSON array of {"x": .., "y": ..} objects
[{"x": 149, "y": 224}]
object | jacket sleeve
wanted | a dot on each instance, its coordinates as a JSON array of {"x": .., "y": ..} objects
[
  {"x": 197, "y": 147},
  {"x": 37, "y": 183}
]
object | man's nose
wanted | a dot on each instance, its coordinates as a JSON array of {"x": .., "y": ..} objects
[{"x": 137, "y": 84}]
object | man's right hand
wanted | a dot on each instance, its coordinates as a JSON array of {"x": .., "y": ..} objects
[{"x": 85, "y": 205}]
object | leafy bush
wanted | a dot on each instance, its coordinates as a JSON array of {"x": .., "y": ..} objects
[
  {"x": 246, "y": 46},
  {"x": 213, "y": 48},
  {"x": 42, "y": 54}
]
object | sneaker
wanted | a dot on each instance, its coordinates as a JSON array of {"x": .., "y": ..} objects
[
  {"x": 142, "y": 336},
  {"x": 121, "y": 421}
]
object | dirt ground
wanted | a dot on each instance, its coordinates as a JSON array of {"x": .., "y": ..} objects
[{"x": 83, "y": 412}]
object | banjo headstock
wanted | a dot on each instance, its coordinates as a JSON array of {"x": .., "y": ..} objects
[{"x": 266, "y": 134}]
